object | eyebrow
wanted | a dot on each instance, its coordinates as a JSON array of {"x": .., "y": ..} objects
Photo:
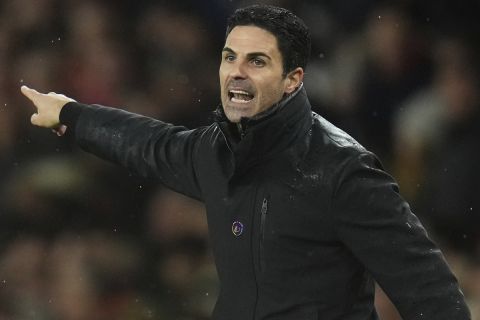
[{"x": 250, "y": 54}]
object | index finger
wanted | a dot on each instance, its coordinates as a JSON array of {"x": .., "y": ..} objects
[{"x": 29, "y": 93}]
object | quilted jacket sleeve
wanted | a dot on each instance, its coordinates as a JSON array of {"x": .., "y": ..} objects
[
  {"x": 146, "y": 146},
  {"x": 377, "y": 225}
]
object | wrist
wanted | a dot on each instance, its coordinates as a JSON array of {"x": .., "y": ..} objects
[{"x": 70, "y": 112}]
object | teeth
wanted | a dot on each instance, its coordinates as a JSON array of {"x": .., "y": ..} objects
[
  {"x": 236, "y": 100},
  {"x": 240, "y": 92},
  {"x": 240, "y": 96}
]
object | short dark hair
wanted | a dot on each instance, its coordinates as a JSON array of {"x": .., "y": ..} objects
[{"x": 292, "y": 34}]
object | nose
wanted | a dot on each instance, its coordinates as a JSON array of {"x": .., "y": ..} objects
[{"x": 238, "y": 71}]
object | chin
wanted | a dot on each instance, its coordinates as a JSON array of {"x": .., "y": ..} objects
[
  {"x": 233, "y": 117},
  {"x": 234, "y": 114}
]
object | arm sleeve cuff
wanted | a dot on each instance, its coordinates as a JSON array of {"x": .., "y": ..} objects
[{"x": 70, "y": 114}]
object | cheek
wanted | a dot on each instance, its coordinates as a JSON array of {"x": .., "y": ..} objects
[
  {"x": 272, "y": 91},
  {"x": 221, "y": 78},
  {"x": 222, "y": 71}
]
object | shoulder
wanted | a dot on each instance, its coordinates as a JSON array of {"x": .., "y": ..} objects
[
  {"x": 340, "y": 153},
  {"x": 331, "y": 145},
  {"x": 209, "y": 134},
  {"x": 333, "y": 136}
]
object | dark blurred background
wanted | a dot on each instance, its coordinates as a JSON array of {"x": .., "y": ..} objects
[{"x": 83, "y": 239}]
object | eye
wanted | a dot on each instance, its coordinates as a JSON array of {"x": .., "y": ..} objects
[
  {"x": 229, "y": 57},
  {"x": 258, "y": 62}
]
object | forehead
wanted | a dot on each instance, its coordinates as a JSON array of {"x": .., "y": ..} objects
[{"x": 251, "y": 39}]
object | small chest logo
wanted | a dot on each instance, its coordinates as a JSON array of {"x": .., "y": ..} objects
[{"x": 237, "y": 228}]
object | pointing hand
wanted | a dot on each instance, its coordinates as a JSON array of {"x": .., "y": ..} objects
[{"x": 48, "y": 108}]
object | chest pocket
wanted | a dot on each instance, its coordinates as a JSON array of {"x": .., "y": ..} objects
[{"x": 291, "y": 226}]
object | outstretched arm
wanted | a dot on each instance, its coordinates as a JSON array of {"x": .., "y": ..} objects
[
  {"x": 48, "y": 108},
  {"x": 144, "y": 145}
]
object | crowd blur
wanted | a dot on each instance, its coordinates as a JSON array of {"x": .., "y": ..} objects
[{"x": 83, "y": 239}]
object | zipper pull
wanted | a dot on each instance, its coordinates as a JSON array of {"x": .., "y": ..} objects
[
  {"x": 264, "y": 206},
  {"x": 241, "y": 130}
]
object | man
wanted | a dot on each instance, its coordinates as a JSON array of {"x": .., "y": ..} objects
[{"x": 302, "y": 218}]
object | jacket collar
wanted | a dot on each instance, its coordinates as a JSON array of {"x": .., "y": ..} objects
[{"x": 266, "y": 134}]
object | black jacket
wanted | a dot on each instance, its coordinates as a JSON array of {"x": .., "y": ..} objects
[{"x": 301, "y": 217}]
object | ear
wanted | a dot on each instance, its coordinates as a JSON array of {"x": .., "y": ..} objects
[{"x": 293, "y": 80}]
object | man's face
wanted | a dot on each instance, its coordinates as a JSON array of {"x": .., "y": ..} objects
[{"x": 251, "y": 73}]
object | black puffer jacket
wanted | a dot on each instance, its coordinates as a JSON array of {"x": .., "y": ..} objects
[{"x": 301, "y": 217}]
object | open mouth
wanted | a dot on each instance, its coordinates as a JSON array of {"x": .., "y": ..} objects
[{"x": 239, "y": 96}]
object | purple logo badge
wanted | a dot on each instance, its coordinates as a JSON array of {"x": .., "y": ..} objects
[{"x": 237, "y": 228}]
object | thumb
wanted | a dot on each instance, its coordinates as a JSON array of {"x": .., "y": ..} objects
[
  {"x": 34, "y": 119},
  {"x": 29, "y": 93}
]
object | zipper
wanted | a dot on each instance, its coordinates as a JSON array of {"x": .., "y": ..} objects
[
  {"x": 263, "y": 219},
  {"x": 241, "y": 129}
]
